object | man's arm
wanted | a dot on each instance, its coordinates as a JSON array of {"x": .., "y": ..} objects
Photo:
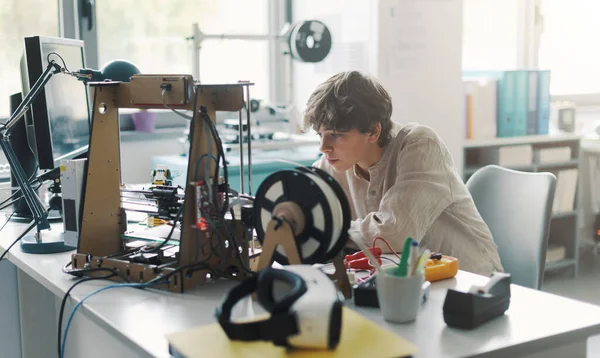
[{"x": 420, "y": 194}]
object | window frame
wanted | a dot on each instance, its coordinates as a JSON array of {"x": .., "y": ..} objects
[
  {"x": 73, "y": 25},
  {"x": 279, "y": 63},
  {"x": 530, "y": 35}
]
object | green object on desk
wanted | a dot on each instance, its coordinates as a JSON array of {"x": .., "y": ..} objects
[{"x": 402, "y": 269}]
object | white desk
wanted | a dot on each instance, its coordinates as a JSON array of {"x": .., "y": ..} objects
[{"x": 126, "y": 322}]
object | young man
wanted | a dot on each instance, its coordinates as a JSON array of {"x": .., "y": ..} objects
[{"x": 399, "y": 179}]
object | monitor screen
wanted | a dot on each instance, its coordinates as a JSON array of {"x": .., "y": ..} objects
[{"x": 60, "y": 115}]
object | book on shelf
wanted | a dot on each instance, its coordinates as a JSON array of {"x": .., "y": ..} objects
[
  {"x": 481, "y": 107},
  {"x": 555, "y": 253},
  {"x": 566, "y": 188},
  {"x": 509, "y": 156},
  {"x": 554, "y": 155}
]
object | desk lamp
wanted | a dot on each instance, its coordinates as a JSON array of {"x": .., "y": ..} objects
[{"x": 118, "y": 70}]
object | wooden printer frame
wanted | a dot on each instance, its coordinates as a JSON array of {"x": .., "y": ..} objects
[{"x": 102, "y": 218}]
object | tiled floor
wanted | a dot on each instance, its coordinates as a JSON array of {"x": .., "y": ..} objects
[{"x": 586, "y": 287}]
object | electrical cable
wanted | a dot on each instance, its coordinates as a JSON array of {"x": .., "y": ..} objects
[
  {"x": 239, "y": 254},
  {"x": 11, "y": 245},
  {"x": 221, "y": 154},
  {"x": 5, "y": 203},
  {"x": 64, "y": 302},
  {"x": 62, "y": 60},
  {"x": 387, "y": 244},
  {"x": 168, "y": 238},
  {"x": 80, "y": 303},
  {"x": 388, "y": 259},
  {"x": 181, "y": 114}
]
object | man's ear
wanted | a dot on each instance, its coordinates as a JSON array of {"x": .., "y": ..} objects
[{"x": 375, "y": 132}]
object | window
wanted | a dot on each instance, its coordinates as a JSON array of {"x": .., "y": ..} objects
[
  {"x": 155, "y": 39},
  {"x": 569, "y": 46},
  {"x": 490, "y": 34},
  {"x": 557, "y": 35},
  {"x": 17, "y": 21}
]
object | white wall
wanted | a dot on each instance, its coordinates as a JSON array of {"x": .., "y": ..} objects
[{"x": 413, "y": 46}]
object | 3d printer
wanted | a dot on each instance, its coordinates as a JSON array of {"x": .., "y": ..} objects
[{"x": 300, "y": 215}]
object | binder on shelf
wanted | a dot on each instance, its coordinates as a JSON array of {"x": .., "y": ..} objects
[
  {"x": 481, "y": 93},
  {"x": 543, "y": 122},
  {"x": 518, "y": 120},
  {"x": 532, "y": 103}
]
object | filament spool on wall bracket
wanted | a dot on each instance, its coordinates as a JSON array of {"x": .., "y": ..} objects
[{"x": 309, "y": 41}]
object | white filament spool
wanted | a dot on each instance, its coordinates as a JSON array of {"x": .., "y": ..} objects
[
  {"x": 334, "y": 205},
  {"x": 315, "y": 206}
]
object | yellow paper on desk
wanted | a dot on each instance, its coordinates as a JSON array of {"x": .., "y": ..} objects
[{"x": 360, "y": 338}]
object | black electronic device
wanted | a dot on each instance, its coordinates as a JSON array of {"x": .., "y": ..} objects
[
  {"x": 59, "y": 120},
  {"x": 469, "y": 310},
  {"x": 25, "y": 155}
]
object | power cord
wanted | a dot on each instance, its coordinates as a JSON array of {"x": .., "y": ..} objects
[
  {"x": 11, "y": 245},
  {"x": 64, "y": 302},
  {"x": 157, "y": 281},
  {"x": 80, "y": 303},
  {"x": 166, "y": 87},
  {"x": 168, "y": 238}
]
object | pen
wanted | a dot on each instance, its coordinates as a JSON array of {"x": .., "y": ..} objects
[
  {"x": 422, "y": 261},
  {"x": 413, "y": 258},
  {"x": 402, "y": 268}
]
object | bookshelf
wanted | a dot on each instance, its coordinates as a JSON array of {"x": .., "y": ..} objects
[{"x": 558, "y": 153}]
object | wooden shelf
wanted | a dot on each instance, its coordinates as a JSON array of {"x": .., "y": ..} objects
[
  {"x": 560, "y": 264},
  {"x": 526, "y": 168},
  {"x": 566, "y": 214},
  {"x": 530, "y": 139},
  {"x": 573, "y": 163},
  {"x": 530, "y": 168}
]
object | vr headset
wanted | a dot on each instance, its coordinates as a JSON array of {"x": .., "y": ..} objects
[{"x": 305, "y": 309}]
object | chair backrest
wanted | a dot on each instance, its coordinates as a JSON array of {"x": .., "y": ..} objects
[{"x": 517, "y": 208}]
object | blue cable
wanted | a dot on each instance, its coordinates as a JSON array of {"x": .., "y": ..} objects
[{"x": 137, "y": 285}]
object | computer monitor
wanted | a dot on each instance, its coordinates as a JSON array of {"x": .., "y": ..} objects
[{"x": 60, "y": 116}]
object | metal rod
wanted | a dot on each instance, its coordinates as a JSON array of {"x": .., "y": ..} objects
[
  {"x": 204, "y": 36},
  {"x": 249, "y": 140},
  {"x": 34, "y": 203},
  {"x": 196, "y": 51},
  {"x": 241, "y": 139}
]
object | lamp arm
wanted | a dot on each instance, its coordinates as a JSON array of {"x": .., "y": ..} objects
[
  {"x": 40, "y": 214},
  {"x": 24, "y": 106}
]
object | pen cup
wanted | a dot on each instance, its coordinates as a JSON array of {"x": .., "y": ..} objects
[{"x": 399, "y": 296}]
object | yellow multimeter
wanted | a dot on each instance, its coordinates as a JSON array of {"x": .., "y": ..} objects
[{"x": 440, "y": 267}]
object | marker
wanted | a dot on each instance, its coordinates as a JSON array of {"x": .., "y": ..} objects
[
  {"x": 402, "y": 268},
  {"x": 422, "y": 261},
  {"x": 413, "y": 258}
]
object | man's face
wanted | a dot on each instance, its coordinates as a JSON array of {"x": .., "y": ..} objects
[{"x": 343, "y": 149}]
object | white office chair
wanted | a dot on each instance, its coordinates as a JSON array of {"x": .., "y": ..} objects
[{"x": 517, "y": 208}]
